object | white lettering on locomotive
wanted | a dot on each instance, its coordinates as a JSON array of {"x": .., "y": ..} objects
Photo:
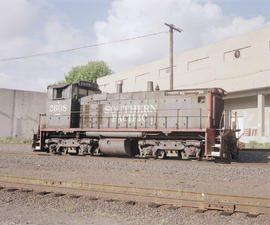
[
  {"x": 131, "y": 113},
  {"x": 58, "y": 108}
]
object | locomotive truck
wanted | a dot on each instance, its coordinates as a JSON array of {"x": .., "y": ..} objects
[{"x": 171, "y": 123}]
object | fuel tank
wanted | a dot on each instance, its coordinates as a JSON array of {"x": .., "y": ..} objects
[{"x": 115, "y": 146}]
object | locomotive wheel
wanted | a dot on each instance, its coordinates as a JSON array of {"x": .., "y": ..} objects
[
  {"x": 184, "y": 155},
  {"x": 161, "y": 154},
  {"x": 84, "y": 149},
  {"x": 54, "y": 148}
]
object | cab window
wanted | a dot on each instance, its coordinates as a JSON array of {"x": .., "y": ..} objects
[
  {"x": 82, "y": 92},
  {"x": 61, "y": 93},
  {"x": 58, "y": 93}
]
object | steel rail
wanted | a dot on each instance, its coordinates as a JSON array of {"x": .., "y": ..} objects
[{"x": 203, "y": 201}]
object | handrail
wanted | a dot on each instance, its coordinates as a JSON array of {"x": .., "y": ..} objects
[
  {"x": 123, "y": 122},
  {"x": 100, "y": 117},
  {"x": 133, "y": 111}
]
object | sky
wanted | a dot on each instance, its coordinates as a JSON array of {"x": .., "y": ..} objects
[{"x": 30, "y": 27}]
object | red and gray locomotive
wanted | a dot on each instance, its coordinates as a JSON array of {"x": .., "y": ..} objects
[{"x": 171, "y": 123}]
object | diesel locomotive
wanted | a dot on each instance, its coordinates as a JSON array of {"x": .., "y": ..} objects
[{"x": 172, "y": 123}]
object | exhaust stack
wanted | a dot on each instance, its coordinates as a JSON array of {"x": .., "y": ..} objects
[
  {"x": 119, "y": 88},
  {"x": 150, "y": 86}
]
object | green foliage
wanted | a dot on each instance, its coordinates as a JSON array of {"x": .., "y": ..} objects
[
  {"x": 15, "y": 141},
  {"x": 70, "y": 207},
  {"x": 91, "y": 71},
  {"x": 256, "y": 145}
]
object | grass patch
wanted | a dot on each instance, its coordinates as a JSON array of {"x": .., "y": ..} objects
[
  {"x": 15, "y": 140},
  {"x": 70, "y": 207},
  {"x": 256, "y": 145}
]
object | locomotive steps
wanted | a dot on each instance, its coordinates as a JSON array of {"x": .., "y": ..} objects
[{"x": 203, "y": 201}]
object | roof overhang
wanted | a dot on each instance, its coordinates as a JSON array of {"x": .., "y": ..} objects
[{"x": 248, "y": 93}]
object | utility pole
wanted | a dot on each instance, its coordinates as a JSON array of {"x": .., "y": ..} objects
[{"x": 172, "y": 28}]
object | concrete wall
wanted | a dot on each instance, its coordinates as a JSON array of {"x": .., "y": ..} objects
[
  {"x": 210, "y": 66},
  {"x": 19, "y": 112}
]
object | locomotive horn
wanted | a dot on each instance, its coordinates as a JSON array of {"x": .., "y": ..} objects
[
  {"x": 119, "y": 88},
  {"x": 150, "y": 86}
]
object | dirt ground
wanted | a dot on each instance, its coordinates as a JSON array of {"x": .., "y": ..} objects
[{"x": 249, "y": 179}]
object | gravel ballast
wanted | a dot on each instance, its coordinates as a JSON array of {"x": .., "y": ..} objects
[
  {"x": 249, "y": 179},
  {"x": 22, "y": 208}
]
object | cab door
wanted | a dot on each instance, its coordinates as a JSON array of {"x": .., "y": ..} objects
[{"x": 75, "y": 107}]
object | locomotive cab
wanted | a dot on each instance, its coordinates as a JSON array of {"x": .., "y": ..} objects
[{"x": 63, "y": 103}]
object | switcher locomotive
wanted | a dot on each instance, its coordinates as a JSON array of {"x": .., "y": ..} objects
[{"x": 171, "y": 123}]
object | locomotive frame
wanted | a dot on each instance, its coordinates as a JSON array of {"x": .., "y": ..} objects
[{"x": 182, "y": 123}]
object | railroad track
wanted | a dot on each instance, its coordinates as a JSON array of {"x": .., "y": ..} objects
[{"x": 203, "y": 201}]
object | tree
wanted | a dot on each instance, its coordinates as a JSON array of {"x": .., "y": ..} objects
[{"x": 91, "y": 71}]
